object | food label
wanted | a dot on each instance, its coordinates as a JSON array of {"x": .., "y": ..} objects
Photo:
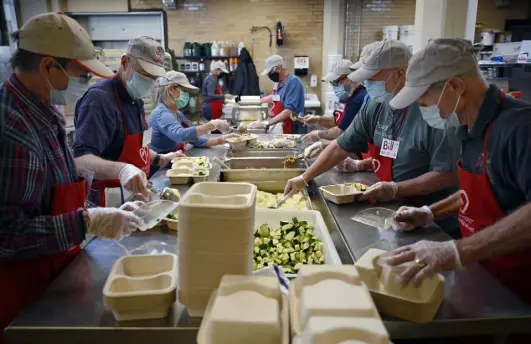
[{"x": 389, "y": 148}]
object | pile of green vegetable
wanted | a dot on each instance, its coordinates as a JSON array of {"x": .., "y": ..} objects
[
  {"x": 358, "y": 186},
  {"x": 289, "y": 245}
]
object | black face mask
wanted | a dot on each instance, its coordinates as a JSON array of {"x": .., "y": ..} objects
[{"x": 275, "y": 77}]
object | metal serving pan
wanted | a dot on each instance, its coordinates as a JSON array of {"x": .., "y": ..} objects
[
  {"x": 262, "y": 153},
  {"x": 252, "y": 175},
  {"x": 260, "y": 163}
]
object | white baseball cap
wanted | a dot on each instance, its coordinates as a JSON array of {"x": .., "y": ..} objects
[
  {"x": 338, "y": 69},
  {"x": 272, "y": 62},
  {"x": 440, "y": 60},
  {"x": 219, "y": 64},
  {"x": 58, "y": 35},
  {"x": 177, "y": 78},
  {"x": 358, "y": 64},
  {"x": 386, "y": 54}
]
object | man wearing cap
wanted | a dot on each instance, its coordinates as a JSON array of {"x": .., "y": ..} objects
[
  {"x": 212, "y": 89},
  {"x": 351, "y": 97},
  {"x": 412, "y": 160},
  {"x": 43, "y": 217},
  {"x": 112, "y": 135},
  {"x": 288, "y": 97},
  {"x": 493, "y": 203}
]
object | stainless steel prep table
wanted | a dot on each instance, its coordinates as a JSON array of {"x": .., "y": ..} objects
[{"x": 72, "y": 307}]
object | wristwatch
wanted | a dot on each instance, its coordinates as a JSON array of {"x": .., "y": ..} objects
[
  {"x": 267, "y": 127},
  {"x": 156, "y": 160}
]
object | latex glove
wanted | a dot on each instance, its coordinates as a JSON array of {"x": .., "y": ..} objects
[
  {"x": 266, "y": 99},
  {"x": 257, "y": 125},
  {"x": 165, "y": 159},
  {"x": 188, "y": 146},
  {"x": 380, "y": 192},
  {"x": 133, "y": 180},
  {"x": 350, "y": 165},
  {"x": 313, "y": 150},
  {"x": 229, "y": 96},
  {"x": 311, "y": 136},
  {"x": 111, "y": 223},
  {"x": 426, "y": 258},
  {"x": 132, "y": 206},
  {"x": 221, "y": 125},
  {"x": 295, "y": 185},
  {"x": 313, "y": 120},
  {"x": 229, "y": 136},
  {"x": 409, "y": 218}
]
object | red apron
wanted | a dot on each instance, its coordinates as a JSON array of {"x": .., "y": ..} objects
[
  {"x": 382, "y": 165},
  {"x": 287, "y": 124},
  {"x": 132, "y": 153},
  {"x": 25, "y": 280},
  {"x": 339, "y": 111},
  {"x": 479, "y": 210},
  {"x": 216, "y": 106}
]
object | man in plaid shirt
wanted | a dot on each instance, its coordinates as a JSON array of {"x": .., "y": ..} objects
[{"x": 42, "y": 200}]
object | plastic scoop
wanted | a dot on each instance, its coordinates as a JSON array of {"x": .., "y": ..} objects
[{"x": 153, "y": 212}]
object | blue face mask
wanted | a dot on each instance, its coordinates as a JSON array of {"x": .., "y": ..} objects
[
  {"x": 432, "y": 115},
  {"x": 375, "y": 89},
  {"x": 139, "y": 85},
  {"x": 342, "y": 92},
  {"x": 182, "y": 100}
]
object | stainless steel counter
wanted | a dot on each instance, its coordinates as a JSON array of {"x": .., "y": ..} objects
[{"x": 72, "y": 307}]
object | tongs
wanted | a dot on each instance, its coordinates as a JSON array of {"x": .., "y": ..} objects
[
  {"x": 295, "y": 117},
  {"x": 281, "y": 202},
  {"x": 242, "y": 128},
  {"x": 165, "y": 194},
  {"x": 221, "y": 163}
]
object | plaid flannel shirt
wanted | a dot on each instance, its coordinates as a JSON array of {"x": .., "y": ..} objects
[{"x": 34, "y": 158}]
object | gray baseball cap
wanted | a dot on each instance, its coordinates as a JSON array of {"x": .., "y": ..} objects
[
  {"x": 150, "y": 54},
  {"x": 363, "y": 55},
  {"x": 338, "y": 69},
  {"x": 272, "y": 62},
  {"x": 386, "y": 54},
  {"x": 440, "y": 60},
  {"x": 177, "y": 78}
]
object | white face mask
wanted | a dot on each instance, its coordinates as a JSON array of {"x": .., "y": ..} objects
[
  {"x": 432, "y": 115},
  {"x": 74, "y": 90}
]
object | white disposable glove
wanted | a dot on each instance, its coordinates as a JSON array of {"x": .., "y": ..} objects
[
  {"x": 111, "y": 223},
  {"x": 229, "y": 96},
  {"x": 409, "y": 218},
  {"x": 132, "y": 206},
  {"x": 220, "y": 124},
  {"x": 350, "y": 165},
  {"x": 313, "y": 150},
  {"x": 257, "y": 125},
  {"x": 295, "y": 185},
  {"x": 188, "y": 146},
  {"x": 133, "y": 180},
  {"x": 313, "y": 120},
  {"x": 426, "y": 257},
  {"x": 165, "y": 159},
  {"x": 311, "y": 136},
  {"x": 229, "y": 136},
  {"x": 380, "y": 192}
]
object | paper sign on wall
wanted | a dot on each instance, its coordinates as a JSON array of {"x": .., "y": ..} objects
[{"x": 301, "y": 62}]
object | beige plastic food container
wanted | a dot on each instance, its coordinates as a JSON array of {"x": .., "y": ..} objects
[
  {"x": 330, "y": 304},
  {"x": 340, "y": 193},
  {"x": 216, "y": 223},
  {"x": 141, "y": 286},
  {"x": 410, "y": 303},
  {"x": 246, "y": 309}
]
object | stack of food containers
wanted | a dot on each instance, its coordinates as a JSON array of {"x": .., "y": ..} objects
[{"x": 216, "y": 224}]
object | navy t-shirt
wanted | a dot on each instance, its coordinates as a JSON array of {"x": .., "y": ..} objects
[
  {"x": 99, "y": 125},
  {"x": 354, "y": 105}
]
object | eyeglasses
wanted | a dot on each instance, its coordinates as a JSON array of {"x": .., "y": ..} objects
[{"x": 335, "y": 83}]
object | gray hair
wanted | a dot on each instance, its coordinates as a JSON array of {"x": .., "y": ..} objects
[{"x": 161, "y": 94}]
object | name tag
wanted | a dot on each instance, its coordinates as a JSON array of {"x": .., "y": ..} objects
[
  {"x": 276, "y": 97},
  {"x": 146, "y": 137},
  {"x": 340, "y": 107},
  {"x": 389, "y": 148}
]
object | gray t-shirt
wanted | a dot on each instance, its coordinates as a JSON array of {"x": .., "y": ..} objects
[{"x": 422, "y": 148}]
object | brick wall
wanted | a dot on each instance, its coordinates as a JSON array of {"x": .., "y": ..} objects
[
  {"x": 232, "y": 20},
  {"x": 374, "y": 14}
]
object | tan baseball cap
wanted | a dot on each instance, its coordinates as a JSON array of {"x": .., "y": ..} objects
[
  {"x": 58, "y": 35},
  {"x": 177, "y": 78},
  {"x": 150, "y": 54},
  {"x": 272, "y": 62},
  {"x": 386, "y": 54},
  {"x": 440, "y": 60},
  {"x": 219, "y": 64},
  {"x": 338, "y": 69}
]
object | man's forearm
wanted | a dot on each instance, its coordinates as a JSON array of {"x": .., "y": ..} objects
[
  {"x": 330, "y": 134},
  {"x": 446, "y": 207},
  {"x": 282, "y": 116},
  {"x": 509, "y": 235},
  {"x": 103, "y": 169},
  {"x": 427, "y": 183},
  {"x": 330, "y": 157},
  {"x": 327, "y": 122}
]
